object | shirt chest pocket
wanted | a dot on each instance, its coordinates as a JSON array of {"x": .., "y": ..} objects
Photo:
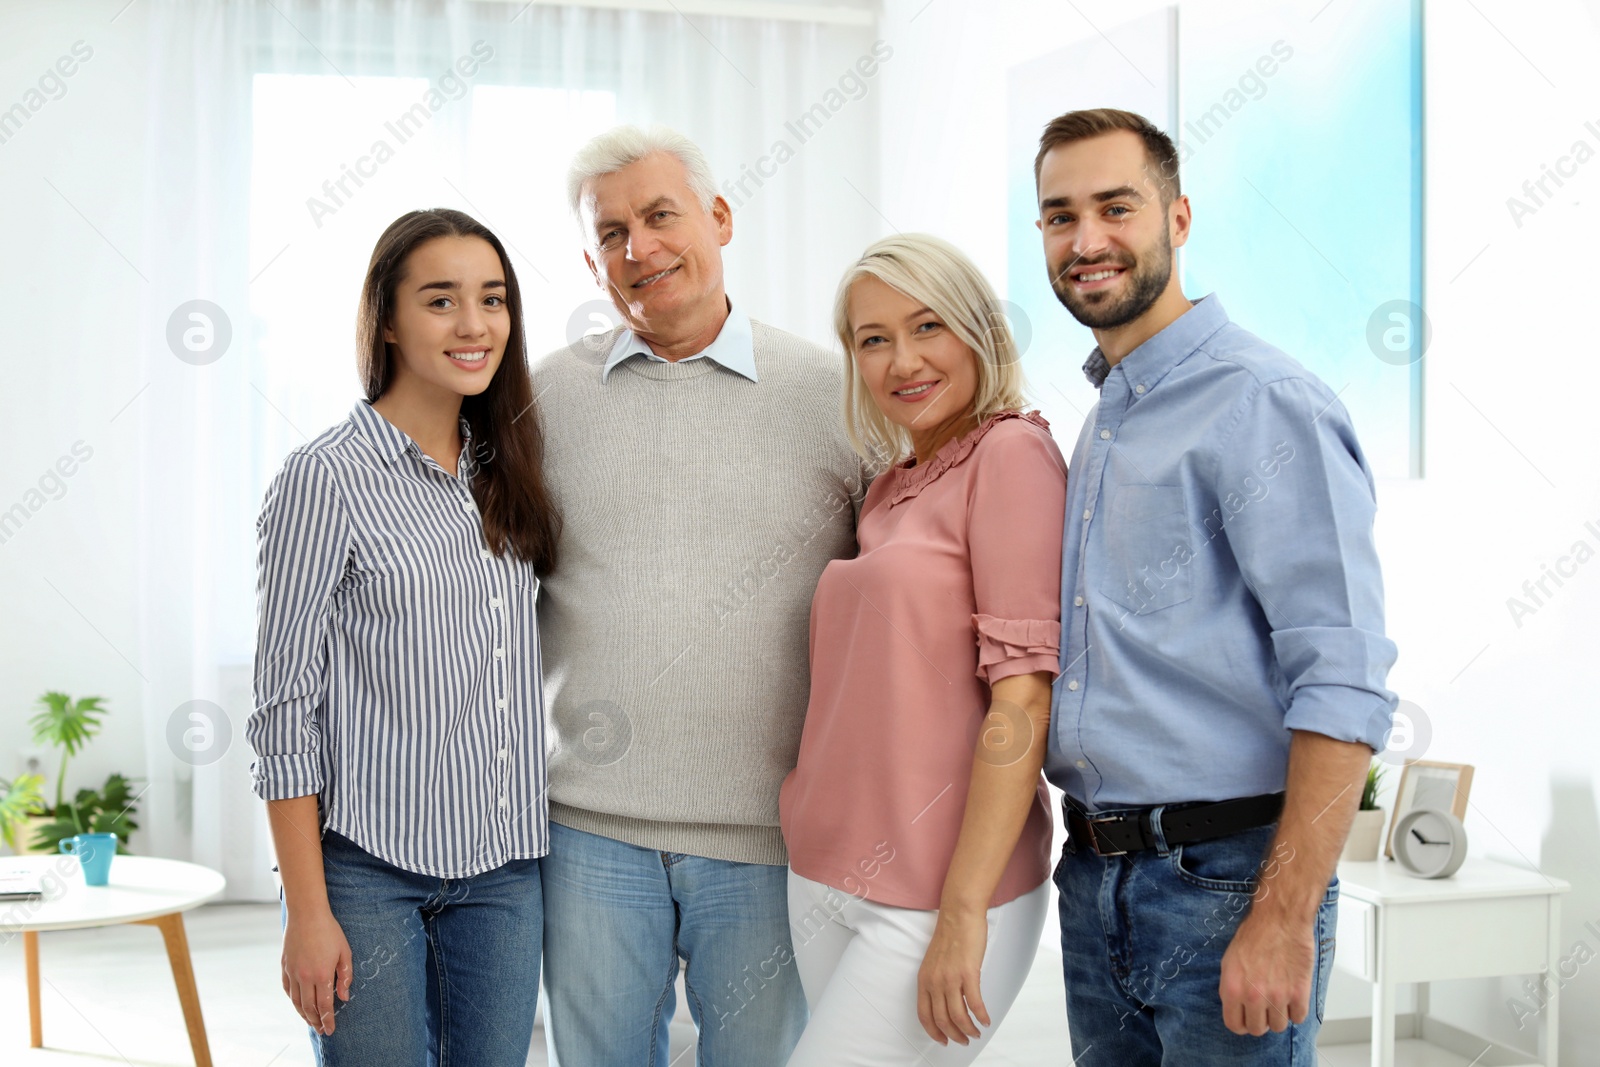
[{"x": 1148, "y": 554}]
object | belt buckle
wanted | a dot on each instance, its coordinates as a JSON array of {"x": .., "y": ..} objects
[{"x": 1094, "y": 838}]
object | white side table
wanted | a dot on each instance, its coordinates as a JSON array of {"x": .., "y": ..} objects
[
  {"x": 152, "y": 892},
  {"x": 1488, "y": 919}
]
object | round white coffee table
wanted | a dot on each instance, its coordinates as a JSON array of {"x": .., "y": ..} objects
[{"x": 152, "y": 892}]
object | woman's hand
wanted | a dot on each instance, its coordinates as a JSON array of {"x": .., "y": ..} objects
[
  {"x": 316, "y": 966},
  {"x": 947, "y": 984},
  {"x": 1005, "y": 781}
]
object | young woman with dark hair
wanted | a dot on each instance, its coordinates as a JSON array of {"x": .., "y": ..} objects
[{"x": 398, "y": 723}]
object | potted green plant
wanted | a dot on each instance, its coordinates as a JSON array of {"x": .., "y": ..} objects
[
  {"x": 20, "y": 798},
  {"x": 69, "y": 725},
  {"x": 1367, "y": 830}
]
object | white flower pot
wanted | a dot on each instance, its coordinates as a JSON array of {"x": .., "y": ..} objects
[{"x": 1366, "y": 834}]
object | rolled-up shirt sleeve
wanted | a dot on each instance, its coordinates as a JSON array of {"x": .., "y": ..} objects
[
  {"x": 1303, "y": 540},
  {"x": 303, "y": 539},
  {"x": 1014, "y": 525}
]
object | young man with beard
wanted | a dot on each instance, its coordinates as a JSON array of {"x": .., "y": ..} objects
[{"x": 1223, "y": 658}]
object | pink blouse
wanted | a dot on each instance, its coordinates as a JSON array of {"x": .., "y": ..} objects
[{"x": 957, "y": 585}]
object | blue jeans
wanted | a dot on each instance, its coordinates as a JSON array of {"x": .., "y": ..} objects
[
  {"x": 1143, "y": 937},
  {"x": 617, "y": 920},
  {"x": 446, "y": 970}
]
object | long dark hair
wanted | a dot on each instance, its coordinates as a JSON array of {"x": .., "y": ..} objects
[{"x": 508, "y": 445}]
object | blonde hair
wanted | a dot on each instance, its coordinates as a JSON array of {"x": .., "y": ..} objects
[{"x": 937, "y": 274}]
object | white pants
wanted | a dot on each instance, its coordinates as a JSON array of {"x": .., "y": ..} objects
[{"x": 858, "y": 963}]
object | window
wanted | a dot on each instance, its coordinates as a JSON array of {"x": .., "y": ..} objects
[{"x": 334, "y": 162}]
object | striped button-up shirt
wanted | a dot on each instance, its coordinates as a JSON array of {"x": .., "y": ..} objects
[{"x": 397, "y": 659}]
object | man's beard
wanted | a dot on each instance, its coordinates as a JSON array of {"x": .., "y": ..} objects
[{"x": 1097, "y": 310}]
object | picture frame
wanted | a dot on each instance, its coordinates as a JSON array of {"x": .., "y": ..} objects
[{"x": 1429, "y": 784}]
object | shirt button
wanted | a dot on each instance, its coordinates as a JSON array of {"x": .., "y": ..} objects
[
  {"x": 1073, "y": 685},
  {"x": 1086, "y": 513},
  {"x": 505, "y": 803},
  {"x": 503, "y": 754},
  {"x": 494, "y": 602},
  {"x": 499, "y": 653},
  {"x": 1077, "y": 601},
  {"x": 1139, "y": 389},
  {"x": 1084, "y": 763},
  {"x": 484, "y": 553},
  {"x": 1105, "y": 435},
  {"x": 466, "y": 505},
  {"x": 500, "y": 702}
]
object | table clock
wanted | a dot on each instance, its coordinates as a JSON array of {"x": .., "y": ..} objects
[{"x": 1430, "y": 843}]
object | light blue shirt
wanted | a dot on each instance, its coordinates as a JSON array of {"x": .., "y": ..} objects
[
  {"x": 1219, "y": 580},
  {"x": 734, "y": 347}
]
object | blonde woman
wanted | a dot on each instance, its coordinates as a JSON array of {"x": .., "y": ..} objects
[{"x": 917, "y": 822}]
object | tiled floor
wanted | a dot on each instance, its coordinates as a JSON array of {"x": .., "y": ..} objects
[{"x": 108, "y": 999}]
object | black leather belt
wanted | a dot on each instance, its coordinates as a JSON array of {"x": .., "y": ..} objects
[{"x": 1135, "y": 831}]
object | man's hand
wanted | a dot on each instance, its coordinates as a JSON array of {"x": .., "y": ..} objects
[
  {"x": 1268, "y": 968},
  {"x": 1266, "y": 973}
]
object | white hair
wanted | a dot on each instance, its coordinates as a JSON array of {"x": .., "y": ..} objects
[{"x": 622, "y": 145}]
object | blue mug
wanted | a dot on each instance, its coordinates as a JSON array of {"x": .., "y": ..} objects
[{"x": 94, "y": 852}]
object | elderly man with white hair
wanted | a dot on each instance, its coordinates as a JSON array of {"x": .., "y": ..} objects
[{"x": 705, "y": 480}]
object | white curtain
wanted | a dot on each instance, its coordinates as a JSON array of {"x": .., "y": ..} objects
[{"x": 281, "y": 139}]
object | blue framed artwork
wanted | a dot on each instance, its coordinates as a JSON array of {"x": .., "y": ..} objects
[
  {"x": 1299, "y": 135},
  {"x": 1302, "y": 132}
]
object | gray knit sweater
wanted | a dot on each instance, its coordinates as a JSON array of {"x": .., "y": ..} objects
[{"x": 700, "y": 509}]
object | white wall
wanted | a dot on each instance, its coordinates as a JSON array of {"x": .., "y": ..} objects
[
  {"x": 1510, "y": 400},
  {"x": 70, "y": 360}
]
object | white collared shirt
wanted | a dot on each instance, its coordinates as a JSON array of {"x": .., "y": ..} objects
[{"x": 734, "y": 347}]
